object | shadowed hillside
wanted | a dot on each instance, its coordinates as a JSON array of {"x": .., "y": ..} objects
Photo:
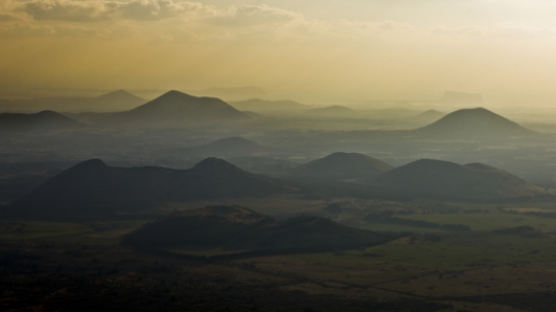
[
  {"x": 93, "y": 188},
  {"x": 438, "y": 179},
  {"x": 245, "y": 231}
]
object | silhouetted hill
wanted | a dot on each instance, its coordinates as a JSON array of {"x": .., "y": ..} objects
[
  {"x": 340, "y": 166},
  {"x": 268, "y": 105},
  {"x": 438, "y": 179},
  {"x": 92, "y": 188},
  {"x": 473, "y": 123},
  {"x": 45, "y": 120},
  {"x": 116, "y": 100},
  {"x": 178, "y": 106},
  {"x": 246, "y": 231}
]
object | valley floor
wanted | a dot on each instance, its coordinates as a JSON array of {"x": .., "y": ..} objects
[{"x": 505, "y": 260}]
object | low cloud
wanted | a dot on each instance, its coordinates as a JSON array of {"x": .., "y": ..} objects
[
  {"x": 76, "y": 11},
  {"x": 87, "y": 10},
  {"x": 250, "y": 15},
  {"x": 157, "y": 9}
]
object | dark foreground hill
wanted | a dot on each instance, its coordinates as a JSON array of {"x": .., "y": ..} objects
[
  {"x": 45, "y": 120},
  {"x": 93, "y": 189},
  {"x": 341, "y": 166},
  {"x": 435, "y": 179},
  {"x": 473, "y": 123},
  {"x": 245, "y": 231}
]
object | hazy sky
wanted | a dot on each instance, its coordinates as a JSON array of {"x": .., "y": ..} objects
[{"x": 313, "y": 50}]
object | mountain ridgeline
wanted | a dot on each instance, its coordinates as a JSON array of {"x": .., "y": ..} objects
[{"x": 92, "y": 189}]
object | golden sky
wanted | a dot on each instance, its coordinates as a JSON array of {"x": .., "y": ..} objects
[{"x": 314, "y": 50}]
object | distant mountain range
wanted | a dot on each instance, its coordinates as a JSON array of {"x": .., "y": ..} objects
[
  {"x": 336, "y": 110},
  {"x": 93, "y": 188},
  {"x": 177, "y": 109},
  {"x": 45, "y": 120},
  {"x": 260, "y": 105},
  {"x": 113, "y": 101},
  {"x": 173, "y": 108},
  {"x": 243, "y": 231}
]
